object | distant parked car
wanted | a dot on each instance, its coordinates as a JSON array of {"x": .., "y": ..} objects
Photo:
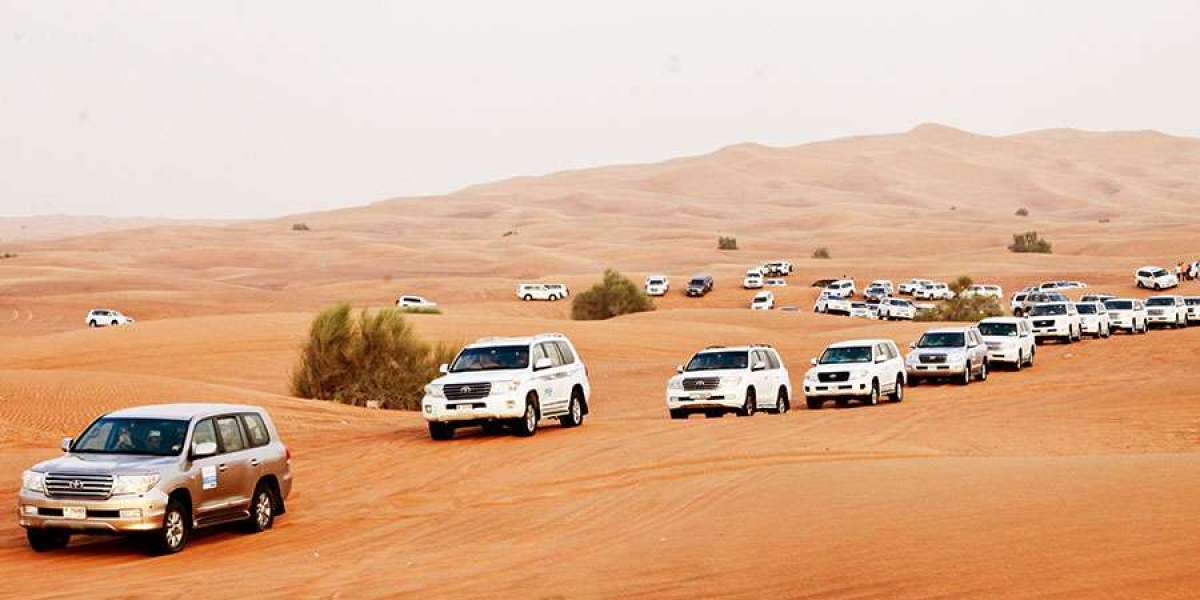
[
  {"x": 763, "y": 301},
  {"x": 984, "y": 291},
  {"x": 416, "y": 303},
  {"x": 831, "y": 304},
  {"x": 542, "y": 291},
  {"x": 876, "y": 292},
  {"x": 909, "y": 287},
  {"x": 657, "y": 285},
  {"x": 1170, "y": 311},
  {"x": 753, "y": 279},
  {"x": 737, "y": 379},
  {"x": 1127, "y": 314},
  {"x": 777, "y": 268},
  {"x": 861, "y": 310},
  {"x": 952, "y": 352},
  {"x": 856, "y": 370},
  {"x": 1193, "y": 308},
  {"x": 1033, "y": 299},
  {"x": 894, "y": 309},
  {"x": 1009, "y": 340},
  {"x": 1093, "y": 319},
  {"x": 699, "y": 285},
  {"x": 886, "y": 284},
  {"x": 1096, "y": 297},
  {"x": 842, "y": 288},
  {"x": 1155, "y": 278},
  {"x": 106, "y": 317},
  {"x": 933, "y": 290},
  {"x": 1056, "y": 320}
]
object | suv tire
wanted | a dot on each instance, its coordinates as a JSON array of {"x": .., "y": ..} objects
[
  {"x": 750, "y": 405},
  {"x": 966, "y": 376},
  {"x": 574, "y": 416},
  {"x": 873, "y": 398},
  {"x": 93, "y": 323},
  {"x": 527, "y": 424},
  {"x": 677, "y": 413},
  {"x": 782, "y": 406},
  {"x": 177, "y": 527},
  {"x": 45, "y": 540},
  {"x": 897, "y": 394},
  {"x": 527, "y": 297},
  {"x": 262, "y": 509},
  {"x": 983, "y": 371},
  {"x": 814, "y": 403},
  {"x": 441, "y": 431}
]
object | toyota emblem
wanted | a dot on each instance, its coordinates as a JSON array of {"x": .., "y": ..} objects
[
  {"x": 466, "y": 389},
  {"x": 76, "y": 484}
]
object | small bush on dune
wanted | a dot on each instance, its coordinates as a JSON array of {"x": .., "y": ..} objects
[
  {"x": 615, "y": 295},
  {"x": 959, "y": 308},
  {"x": 1022, "y": 212},
  {"x": 374, "y": 357},
  {"x": 726, "y": 243},
  {"x": 1029, "y": 242},
  {"x": 8, "y": 255},
  {"x": 300, "y": 227},
  {"x": 821, "y": 252}
]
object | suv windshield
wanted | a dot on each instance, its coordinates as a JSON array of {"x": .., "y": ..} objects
[
  {"x": 1160, "y": 302},
  {"x": 841, "y": 356},
  {"x": 1086, "y": 309},
  {"x": 1044, "y": 310},
  {"x": 1118, "y": 305},
  {"x": 153, "y": 437},
  {"x": 696, "y": 283},
  {"x": 1192, "y": 301},
  {"x": 492, "y": 358},
  {"x": 943, "y": 340},
  {"x": 998, "y": 329},
  {"x": 714, "y": 361}
]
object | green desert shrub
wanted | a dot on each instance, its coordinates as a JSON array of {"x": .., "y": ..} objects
[
  {"x": 371, "y": 356},
  {"x": 300, "y": 227},
  {"x": 726, "y": 243},
  {"x": 960, "y": 308},
  {"x": 1022, "y": 212},
  {"x": 821, "y": 252},
  {"x": 1029, "y": 242},
  {"x": 615, "y": 295}
]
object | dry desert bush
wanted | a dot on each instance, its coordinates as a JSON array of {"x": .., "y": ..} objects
[{"x": 614, "y": 296}]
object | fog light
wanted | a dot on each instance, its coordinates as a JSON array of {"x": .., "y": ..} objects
[
  {"x": 512, "y": 404},
  {"x": 29, "y": 510},
  {"x": 428, "y": 409},
  {"x": 131, "y": 513}
]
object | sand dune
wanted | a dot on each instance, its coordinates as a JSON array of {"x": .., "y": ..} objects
[{"x": 1076, "y": 479}]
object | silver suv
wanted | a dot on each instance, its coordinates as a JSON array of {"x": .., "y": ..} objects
[
  {"x": 159, "y": 472},
  {"x": 952, "y": 352}
]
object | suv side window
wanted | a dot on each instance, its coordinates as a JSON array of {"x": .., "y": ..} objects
[
  {"x": 551, "y": 350},
  {"x": 565, "y": 350},
  {"x": 204, "y": 432},
  {"x": 539, "y": 352},
  {"x": 773, "y": 360},
  {"x": 256, "y": 430},
  {"x": 230, "y": 433}
]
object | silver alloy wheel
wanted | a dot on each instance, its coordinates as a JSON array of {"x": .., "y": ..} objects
[
  {"x": 530, "y": 417},
  {"x": 576, "y": 412},
  {"x": 899, "y": 390},
  {"x": 174, "y": 529},
  {"x": 262, "y": 510}
]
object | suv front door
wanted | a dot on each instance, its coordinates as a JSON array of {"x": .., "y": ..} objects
[{"x": 215, "y": 485}]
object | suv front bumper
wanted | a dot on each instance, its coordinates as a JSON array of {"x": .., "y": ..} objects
[
  {"x": 852, "y": 388},
  {"x": 490, "y": 408},
  {"x": 1058, "y": 330},
  {"x": 1165, "y": 317},
  {"x": 113, "y": 515},
  {"x": 1004, "y": 354},
  {"x": 934, "y": 370},
  {"x": 722, "y": 398}
]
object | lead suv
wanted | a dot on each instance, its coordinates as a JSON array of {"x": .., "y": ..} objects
[
  {"x": 855, "y": 370},
  {"x": 952, "y": 352},
  {"x": 159, "y": 472},
  {"x": 737, "y": 379},
  {"x": 509, "y": 382}
]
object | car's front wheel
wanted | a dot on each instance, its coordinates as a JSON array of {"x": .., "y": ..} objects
[
  {"x": 527, "y": 425},
  {"x": 262, "y": 509},
  {"x": 750, "y": 405},
  {"x": 897, "y": 394},
  {"x": 441, "y": 431},
  {"x": 873, "y": 398},
  {"x": 983, "y": 371},
  {"x": 965, "y": 379},
  {"x": 45, "y": 540},
  {"x": 1020, "y": 361},
  {"x": 93, "y": 323},
  {"x": 782, "y": 406},
  {"x": 175, "y": 530},
  {"x": 678, "y": 413}
]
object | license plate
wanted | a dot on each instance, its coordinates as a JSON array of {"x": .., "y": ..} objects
[
  {"x": 464, "y": 407},
  {"x": 74, "y": 512},
  {"x": 701, "y": 396}
]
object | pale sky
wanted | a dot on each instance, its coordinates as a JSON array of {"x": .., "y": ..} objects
[{"x": 255, "y": 109}]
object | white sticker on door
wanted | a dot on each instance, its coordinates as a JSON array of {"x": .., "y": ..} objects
[{"x": 208, "y": 476}]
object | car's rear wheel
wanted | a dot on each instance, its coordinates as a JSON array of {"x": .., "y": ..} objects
[
  {"x": 45, "y": 540},
  {"x": 897, "y": 394},
  {"x": 782, "y": 406},
  {"x": 574, "y": 416},
  {"x": 527, "y": 425},
  {"x": 114, "y": 323},
  {"x": 983, "y": 371},
  {"x": 441, "y": 431},
  {"x": 175, "y": 530},
  {"x": 527, "y": 297},
  {"x": 965, "y": 379},
  {"x": 262, "y": 509},
  {"x": 93, "y": 323},
  {"x": 749, "y": 405},
  {"x": 814, "y": 403}
]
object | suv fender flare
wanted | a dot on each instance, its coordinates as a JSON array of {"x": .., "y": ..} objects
[
  {"x": 272, "y": 484},
  {"x": 184, "y": 495}
]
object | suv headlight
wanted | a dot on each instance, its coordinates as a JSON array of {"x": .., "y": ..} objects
[
  {"x": 434, "y": 390},
  {"x": 810, "y": 376},
  {"x": 676, "y": 383},
  {"x": 858, "y": 373},
  {"x": 731, "y": 380},
  {"x": 133, "y": 484},
  {"x": 500, "y": 388},
  {"x": 33, "y": 481}
]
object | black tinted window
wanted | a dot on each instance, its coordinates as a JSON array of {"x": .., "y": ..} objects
[
  {"x": 231, "y": 434},
  {"x": 256, "y": 430}
]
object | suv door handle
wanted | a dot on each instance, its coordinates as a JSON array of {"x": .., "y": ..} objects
[
  {"x": 254, "y": 462},
  {"x": 222, "y": 467}
]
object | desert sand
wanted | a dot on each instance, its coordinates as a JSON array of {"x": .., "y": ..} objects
[{"x": 1079, "y": 478}]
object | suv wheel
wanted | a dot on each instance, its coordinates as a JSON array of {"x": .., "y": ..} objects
[
  {"x": 174, "y": 533},
  {"x": 527, "y": 425},
  {"x": 873, "y": 399},
  {"x": 966, "y": 376},
  {"x": 574, "y": 416},
  {"x": 441, "y": 431},
  {"x": 45, "y": 540},
  {"x": 983, "y": 371},
  {"x": 527, "y": 297},
  {"x": 678, "y": 413},
  {"x": 93, "y": 323},
  {"x": 781, "y": 402},
  {"x": 750, "y": 405},
  {"x": 813, "y": 403},
  {"x": 262, "y": 509},
  {"x": 897, "y": 394},
  {"x": 1020, "y": 360},
  {"x": 114, "y": 323}
]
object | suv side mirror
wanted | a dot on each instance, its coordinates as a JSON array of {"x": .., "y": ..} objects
[
  {"x": 203, "y": 449},
  {"x": 678, "y": 368},
  {"x": 66, "y": 444},
  {"x": 912, "y": 345},
  {"x": 444, "y": 368},
  {"x": 812, "y": 361},
  {"x": 542, "y": 363},
  {"x": 758, "y": 366}
]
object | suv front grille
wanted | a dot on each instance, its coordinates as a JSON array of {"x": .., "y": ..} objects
[
  {"x": 701, "y": 383},
  {"x": 1044, "y": 323},
  {"x": 833, "y": 376},
  {"x": 933, "y": 358},
  {"x": 467, "y": 391},
  {"x": 79, "y": 485}
]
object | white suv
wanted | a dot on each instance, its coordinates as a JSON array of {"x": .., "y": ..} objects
[
  {"x": 842, "y": 288},
  {"x": 513, "y": 382},
  {"x": 984, "y": 291},
  {"x": 1009, "y": 340},
  {"x": 832, "y": 304},
  {"x": 951, "y": 352},
  {"x": 753, "y": 279},
  {"x": 856, "y": 370},
  {"x": 894, "y": 309},
  {"x": 1057, "y": 320},
  {"x": 909, "y": 287},
  {"x": 542, "y": 291},
  {"x": 933, "y": 290},
  {"x": 763, "y": 301},
  {"x": 1093, "y": 319},
  {"x": 104, "y": 317},
  {"x": 1166, "y": 310},
  {"x": 415, "y": 303},
  {"x": 1193, "y": 308},
  {"x": 737, "y": 379},
  {"x": 1128, "y": 314},
  {"x": 657, "y": 285},
  {"x": 1155, "y": 278}
]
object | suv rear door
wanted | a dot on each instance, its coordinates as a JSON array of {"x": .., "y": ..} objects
[
  {"x": 234, "y": 466},
  {"x": 220, "y": 480}
]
